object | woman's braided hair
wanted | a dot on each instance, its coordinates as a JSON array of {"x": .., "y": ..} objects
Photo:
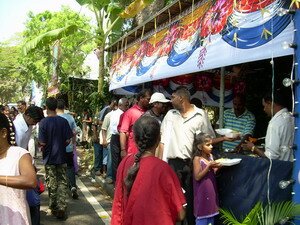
[
  {"x": 146, "y": 131},
  {"x": 6, "y": 123}
]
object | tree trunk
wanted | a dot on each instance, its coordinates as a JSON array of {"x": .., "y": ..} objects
[{"x": 101, "y": 71}]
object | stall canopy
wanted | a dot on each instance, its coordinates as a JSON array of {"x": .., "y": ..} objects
[{"x": 208, "y": 35}]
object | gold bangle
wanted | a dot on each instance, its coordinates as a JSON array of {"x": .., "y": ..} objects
[
  {"x": 253, "y": 148},
  {"x": 6, "y": 181}
]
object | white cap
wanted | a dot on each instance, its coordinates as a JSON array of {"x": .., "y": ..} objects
[{"x": 158, "y": 97}]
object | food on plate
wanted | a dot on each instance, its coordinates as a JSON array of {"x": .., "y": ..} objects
[
  {"x": 228, "y": 162},
  {"x": 233, "y": 134}
]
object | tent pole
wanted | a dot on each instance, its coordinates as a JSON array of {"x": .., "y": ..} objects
[
  {"x": 222, "y": 92},
  {"x": 296, "y": 172}
]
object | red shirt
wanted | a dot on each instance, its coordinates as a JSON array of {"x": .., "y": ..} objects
[
  {"x": 126, "y": 124},
  {"x": 155, "y": 198}
]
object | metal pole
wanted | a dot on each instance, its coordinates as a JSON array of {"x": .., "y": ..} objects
[
  {"x": 222, "y": 92},
  {"x": 296, "y": 172}
]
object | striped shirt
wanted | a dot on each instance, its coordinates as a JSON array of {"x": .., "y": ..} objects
[{"x": 244, "y": 124}]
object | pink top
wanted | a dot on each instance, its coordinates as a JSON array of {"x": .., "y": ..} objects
[
  {"x": 13, "y": 205},
  {"x": 129, "y": 118}
]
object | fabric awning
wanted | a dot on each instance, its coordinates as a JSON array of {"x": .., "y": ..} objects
[{"x": 210, "y": 35}]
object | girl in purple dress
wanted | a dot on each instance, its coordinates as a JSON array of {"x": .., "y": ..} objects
[{"x": 204, "y": 182}]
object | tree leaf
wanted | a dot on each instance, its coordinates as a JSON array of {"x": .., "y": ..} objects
[
  {"x": 96, "y": 3},
  {"x": 49, "y": 37},
  {"x": 114, "y": 8}
]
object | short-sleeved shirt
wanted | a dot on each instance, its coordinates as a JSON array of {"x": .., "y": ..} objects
[
  {"x": 244, "y": 124},
  {"x": 104, "y": 112},
  {"x": 73, "y": 127},
  {"x": 280, "y": 136},
  {"x": 105, "y": 126},
  {"x": 54, "y": 131},
  {"x": 23, "y": 131},
  {"x": 114, "y": 121},
  {"x": 129, "y": 118},
  {"x": 178, "y": 133},
  {"x": 151, "y": 113}
]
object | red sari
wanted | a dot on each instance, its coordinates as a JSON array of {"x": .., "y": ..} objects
[{"x": 155, "y": 198}]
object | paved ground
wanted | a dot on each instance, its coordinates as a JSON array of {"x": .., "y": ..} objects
[{"x": 93, "y": 205}]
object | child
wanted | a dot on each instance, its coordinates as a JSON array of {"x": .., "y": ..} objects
[{"x": 204, "y": 181}]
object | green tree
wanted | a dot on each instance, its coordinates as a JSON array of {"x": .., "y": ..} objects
[
  {"x": 13, "y": 85},
  {"x": 74, "y": 49},
  {"x": 109, "y": 27}
]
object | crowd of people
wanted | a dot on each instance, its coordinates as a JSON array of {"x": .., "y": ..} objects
[
  {"x": 157, "y": 150},
  {"x": 19, "y": 185}
]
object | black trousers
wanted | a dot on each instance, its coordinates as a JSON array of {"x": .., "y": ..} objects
[
  {"x": 35, "y": 214},
  {"x": 182, "y": 168},
  {"x": 115, "y": 149}
]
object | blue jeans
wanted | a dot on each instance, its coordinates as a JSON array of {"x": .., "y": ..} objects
[
  {"x": 98, "y": 156},
  {"x": 105, "y": 154},
  {"x": 109, "y": 162},
  {"x": 205, "y": 221}
]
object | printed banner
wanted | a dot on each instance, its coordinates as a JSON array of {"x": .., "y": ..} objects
[
  {"x": 53, "y": 85},
  {"x": 212, "y": 36}
]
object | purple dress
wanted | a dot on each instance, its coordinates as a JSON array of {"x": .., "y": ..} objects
[{"x": 205, "y": 194}]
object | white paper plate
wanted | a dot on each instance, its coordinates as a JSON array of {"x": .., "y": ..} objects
[
  {"x": 229, "y": 162},
  {"x": 223, "y": 131}
]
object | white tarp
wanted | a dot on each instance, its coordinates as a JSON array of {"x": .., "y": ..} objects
[{"x": 212, "y": 36}]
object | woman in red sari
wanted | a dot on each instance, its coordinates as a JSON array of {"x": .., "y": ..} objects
[{"x": 147, "y": 189}]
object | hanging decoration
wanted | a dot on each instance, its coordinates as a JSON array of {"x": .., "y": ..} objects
[
  {"x": 215, "y": 34},
  {"x": 203, "y": 82}
]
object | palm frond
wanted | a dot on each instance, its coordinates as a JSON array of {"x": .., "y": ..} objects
[
  {"x": 251, "y": 217},
  {"x": 278, "y": 212},
  {"x": 273, "y": 213},
  {"x": 49, "y": 37},
  {"x": 228, "y": 217}
]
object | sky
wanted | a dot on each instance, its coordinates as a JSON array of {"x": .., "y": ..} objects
[{"x": 13, "y": 15}]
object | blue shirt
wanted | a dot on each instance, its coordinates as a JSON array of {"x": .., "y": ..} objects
[
  {"x": 244, "y": 124},
  {"x": 103, "y": 112},
  {"x": 73, "y": 126},
  {"x": 54, "y": 131}
]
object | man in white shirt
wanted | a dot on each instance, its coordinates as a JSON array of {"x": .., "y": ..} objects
[
  {"x": 21, "y": 106},
  {"x": 280, "y": 131},
  {"x": 24, "y": 124},
  {"x": 178, "y": 130},
  {"x": 115, "y": 136}
]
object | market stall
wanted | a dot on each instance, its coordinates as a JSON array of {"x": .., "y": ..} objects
[{"x": 210, "y": 35}]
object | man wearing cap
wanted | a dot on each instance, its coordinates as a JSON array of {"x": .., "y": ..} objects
[{"x": 158, "y": 106}]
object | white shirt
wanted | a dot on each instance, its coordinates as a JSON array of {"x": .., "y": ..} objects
[
  {"x": 23, "y": 131},
  {"x": 105, "y": 126},
  {"x": 280, "y": 136},
  {"x": 178, "y": 133},
  {"x": 14, "y": 207},
  {"x": 114, "y": 121}
]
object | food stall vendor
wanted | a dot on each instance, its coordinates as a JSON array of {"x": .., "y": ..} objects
[
  {"x": 280, "y": 131},
  {"x": 240, "y": 120}
]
